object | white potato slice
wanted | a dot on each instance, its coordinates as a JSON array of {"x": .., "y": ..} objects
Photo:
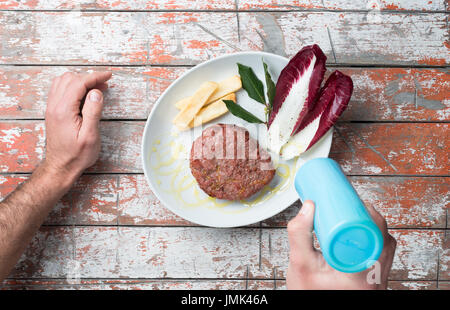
[
  {"x": 212, "y": 111},
  {"x": 228, "y": 86},
  {"x": 198, "y": 100},
  {"x": 181, "y": 104}
]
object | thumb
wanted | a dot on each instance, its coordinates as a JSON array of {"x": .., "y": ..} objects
[
  {"x": 92, "y": 111},
  {"x": 300, "y": 234}
]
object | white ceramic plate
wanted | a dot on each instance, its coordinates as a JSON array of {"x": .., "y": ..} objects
[{"x": 165, "y": 152}]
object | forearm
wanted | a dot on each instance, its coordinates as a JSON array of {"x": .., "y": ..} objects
[{"x": 24, "y": 211}]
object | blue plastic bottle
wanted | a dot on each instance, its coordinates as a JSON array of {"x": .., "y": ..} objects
[{"x": 349, "y": 239}]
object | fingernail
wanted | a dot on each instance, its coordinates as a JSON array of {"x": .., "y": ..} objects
[
  {"x": 95, "y": 96},
  {"x": 306, "y": 208}
]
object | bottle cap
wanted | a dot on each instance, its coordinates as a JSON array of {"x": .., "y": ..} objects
[{"x": 354, "y": 247}]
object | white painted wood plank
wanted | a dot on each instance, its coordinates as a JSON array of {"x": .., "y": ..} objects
[
  {"x": 118, "y": 5},
  {"x": 351, "y": 37},
  {"x": 387, "y": 94},
  {"x": 166, "y": 252},
  {"x": 398, "y": 5},
  {"x": 115, "y": 284},
  {"x": 190, "y": 38},
  {"x": 163, "y": 252},
  {"x": 373, "y": 5}
]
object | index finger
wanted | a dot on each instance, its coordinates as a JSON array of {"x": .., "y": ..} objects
[
  {"x": 89, "y": 81},
  {"x": 95, "y": 78}
]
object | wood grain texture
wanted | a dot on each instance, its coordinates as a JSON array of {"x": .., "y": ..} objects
[
  {"x": 380, "y": 94},
  {"x": 164, "y": 252},
  {"x": 373, "y": 6},
  {"x": 111, "y": 226},
  {"x": 115, "y": 284},
  {"x": 360, "y": 148},
  {"x": 444, "y": 258},
  {"x": 131, "y": 94},
  {"x": 189, "y": 38},
  {"x": 412, "y": 285},
  {"x": 444, "y": 285},
  {"x": 103, "y": 5},
  {"x": 392, "y": 285},
  {"x": 416, "y": 256},
  {"x": 23, "y": 143},
  {"x": 416, "y": 149},
  {"x": 127, "y": 200},
  {"x": 396, "y": 5},
  {"x": 130, "y": 252},
  {"x": 351, "y": 37}
]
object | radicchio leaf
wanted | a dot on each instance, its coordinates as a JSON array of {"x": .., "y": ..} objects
[
  {"x": 332, "y": 101},
  {"x": 296, "y": 92}
]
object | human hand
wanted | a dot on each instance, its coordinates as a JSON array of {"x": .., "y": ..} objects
[
  {"x": 73, "y": 139},
  {"x": 308, "y": 268}
]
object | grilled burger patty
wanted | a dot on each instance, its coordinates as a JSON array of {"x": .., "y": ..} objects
[{"x": 228, "y": 164}]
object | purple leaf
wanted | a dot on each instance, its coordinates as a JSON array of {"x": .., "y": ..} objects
[
  {"x": 332, "y": 101},
  {"x": 296, "y": 92}
]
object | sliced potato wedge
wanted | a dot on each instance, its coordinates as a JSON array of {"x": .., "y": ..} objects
[
  {"x": 198, "y": 100},
  {"x": 181, "y": 104},
  {"x": 228, "y": 86},
  {"x": 212, "y": 111}
]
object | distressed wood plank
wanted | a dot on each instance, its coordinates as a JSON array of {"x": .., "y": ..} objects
[
  {"x": 128, "y": 200},
  {"x": 22, "y": 146},
  {"x": 444, "y": 285},
  {"x": 131, "y": 94},
  {"x": 416, "y": 149},
  {"x": 373, "y": 6},
  {"x": 49, "y": 254},
  {"x": 127, "y": 252},
  {"x": 115, "y": 38},
  {"x": 162, "y": 252},
  {"x": 392, "y": 285},
  {"x": 189, "y": 38},
  {"x": 396, "y": 5},
  {"x": 135, "y": 5},
  {"x": 416, "y": 257},
  {"x": 139, "y": 206},
  {"x": 351, "y": 37},
  {"x": 444, "y": 258},
  {"x": 412, "y": 285},
  {"x": 166, "y": 252},
  {"x": 397, "y": 94},
  {"x": 380, "y": 94},
  {"x": 81, "y": 284},
  {"x": 360, "y": 148}
]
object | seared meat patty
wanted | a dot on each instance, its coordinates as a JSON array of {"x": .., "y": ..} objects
[{"x": 228, "y": 164}]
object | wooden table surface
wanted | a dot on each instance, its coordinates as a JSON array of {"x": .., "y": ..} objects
[{"x": 110, "y": 231}]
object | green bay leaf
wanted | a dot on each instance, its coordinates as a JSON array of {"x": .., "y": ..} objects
[
  {"x": 240, "y": 112},
  {"x": 270, "y": 85},
  {"x": 251, "y": 83}
]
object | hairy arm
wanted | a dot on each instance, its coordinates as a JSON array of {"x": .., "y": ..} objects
[
  {"x": 72, "y": 145},
  {"x": 23, "y": 212}
]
